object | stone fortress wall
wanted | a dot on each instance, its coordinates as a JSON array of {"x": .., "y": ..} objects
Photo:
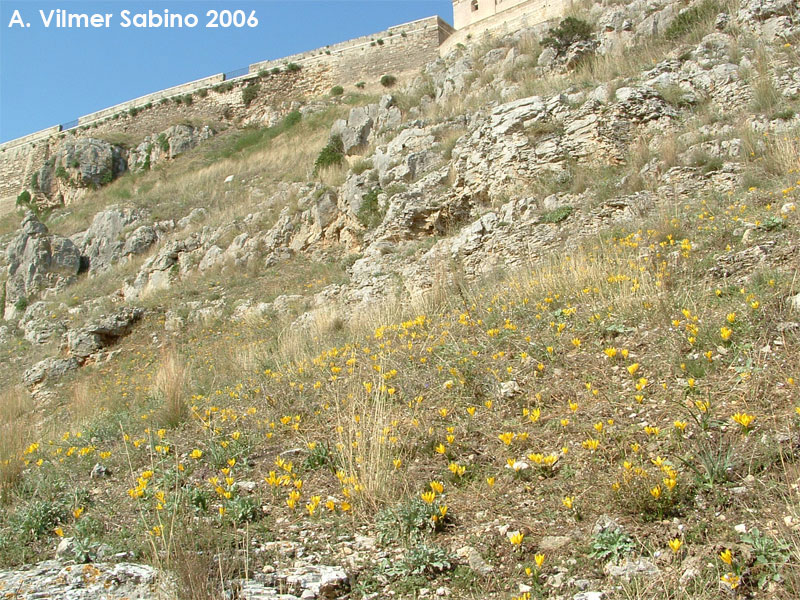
[{"x": 399, "y": 49}]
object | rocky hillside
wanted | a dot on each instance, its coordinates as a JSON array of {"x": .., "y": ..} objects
[{"x": 523, "y": 326}]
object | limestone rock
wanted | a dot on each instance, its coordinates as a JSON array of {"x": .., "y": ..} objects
[
  {"x": 38, "y": 261},
  {"x": 107, "y": 240},
  {"x": 49, "y": 368},
  {"x": 168, "y": 144},
  {"x": 78, "y": 164}
]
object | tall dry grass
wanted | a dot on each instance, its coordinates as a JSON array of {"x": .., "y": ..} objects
[
  {"x": 16, "y": 430},
  {"x": 171, "y": 387}
]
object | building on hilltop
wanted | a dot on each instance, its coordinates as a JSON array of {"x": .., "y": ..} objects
[{"x": 467, "y": 12}]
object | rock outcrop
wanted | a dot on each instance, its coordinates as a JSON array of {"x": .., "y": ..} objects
[
  {"x": 76, "y": 165},
  {"x": 37, "y": 261}
]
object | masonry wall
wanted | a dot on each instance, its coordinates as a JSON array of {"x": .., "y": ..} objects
[
  {"x": 521, "y": 15},
  {"x": 467, "y": 12},
  {"x": 394, "y": 51}
]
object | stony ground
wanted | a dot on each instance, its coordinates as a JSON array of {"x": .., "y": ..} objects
[{"x": 525, "y": 326}]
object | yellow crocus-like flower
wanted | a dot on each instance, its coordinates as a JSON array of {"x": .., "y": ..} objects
[
  {"x": 196, "y": 454},
  {"x": 726, "y": 556},
  {"x": 675, "y": 545},
  {"x": 568, "y": 501},
  {"x": 516, "y": 538},
  {"x": 725, "y": 333},
  {"x": 428, "y": 497},
  {"x": 539, "y": 560},
  {"x": 743, "y": 419}
]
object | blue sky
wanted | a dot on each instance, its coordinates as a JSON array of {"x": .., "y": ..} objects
[{"x": 51, "y": 75}]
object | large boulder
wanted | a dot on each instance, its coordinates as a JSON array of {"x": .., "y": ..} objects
[
  {"x": 37, "y": 261},
  {"x": 101, "y": 333}
]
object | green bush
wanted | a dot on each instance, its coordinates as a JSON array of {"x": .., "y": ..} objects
[
  {"x": 292, "y": 119},
  {"x": 203, "y": 92},
  {"x": 35, "y": 180},
  {"x": 569, "y": 31},
  {"x": 361, "y": 85},
  {"x": 275, "y": 70},
  {"x": 61, "y": 173},
  {"x": 24, "y": 199},
  {"x": 21, "y": 304},
  {"x": 556, "y": 215},
  {"x": 331, "y": 155},
  {"x": 188, "y": 99},
  {"x": 337, "y": 90},
  {"x": 163, "y": 142},
  {"x": 250, "y": 93},
  {"x": 691, "y": 19},
  {"x": 388, "y": 81},
  {"x": 293, "y": 67},
  {"x": 369, "y": 213}
]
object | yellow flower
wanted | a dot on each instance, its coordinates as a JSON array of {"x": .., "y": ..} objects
[
  {"x": 726, "y": 556},
  {"x": 77, "y": 512},
  {"x": 656, "y": 492},
  {"x": 731, "y": 317},
  {"x": 730, "y": 579},
  {"x": 610, "y": 352},
  {"x": 539, "y": 560},
  {"x": 680, "y": 425},
  {"x": 428, "y": 497},
  {"x": 515, "y": 538},
  {"x": 568, "y": 501},
  {"x": 633, "y": 368},
  {"x": 743, "y": 419},
  {"x": 196, "y": 454},
  {"x": 490, "y": 481},
  {"x": 675, "y": 545},
  {"x": 59, "y": 532},
  {"x": 441, "y": 449},
  {"x": 725, "y": 333},
  {"x": 506, "y": 437}
]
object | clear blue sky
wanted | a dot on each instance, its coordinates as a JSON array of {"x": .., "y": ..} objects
[{"x": 51, "y": 75}]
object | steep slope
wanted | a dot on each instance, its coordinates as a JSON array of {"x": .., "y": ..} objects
[{"x": 525, "y": 327}]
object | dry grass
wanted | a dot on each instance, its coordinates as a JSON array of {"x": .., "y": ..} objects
[
  {"x": 15, "y": 432},
  {"x": 171, "y": 387}
]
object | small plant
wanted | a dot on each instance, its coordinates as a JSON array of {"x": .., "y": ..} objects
[
  {"x": 250, "y": 93},
  {"x": 556, "y": 215},
  {"x": 321, "y": 457},
  {"x": 425, "y": 559},
  {"x": 337, "y": 90},
  {"x": 569, "y": 31},
  {"x": 770, "y": 555},
  {"x": 188, "y": 99},
  {"x": 369, "y": 213},
  {"x": 293, "y": 67},
  {"x": 691, "y": 19},
  {"x": 611, "y": 545},
  {"x": 275, "y": 70},
  {"x": 361, "y": 85},
  {"x": 24, "y": 199},
  {"x": 409, "y": 519},
  {"x": 61, "y": 173},
  {"x": 202, "y": 92},
  {"x": 362, "y": 165},
  {"x": 331, "y": 155},
  {"x": 163, "y": 142},
  {"x": 133, "y": 111},
  {"x": 35, "y": 181},
  {"x": 388, "y": 81}
]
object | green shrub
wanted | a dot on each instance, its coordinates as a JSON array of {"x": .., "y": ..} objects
[
  {"x": 133, "y": 111},
  {"x": 293, "y": 67},
  {"x": 163, "y": 142},
  {"x": 691, "y": 19},
  {"x": 361, "y": 85},
  {"x": 107, "y": 178},
  {"x": 388, "y": 81},
  {"x": 275, "y": 70},
  {"x": 250, "y": 93},
  {"x": 203, "y": 92},
  {"x": 569, "y": 31},
  {"x": 24, "y": 199},
  {"x": 362, "y": 165},
  {"x": 556, "y": 215},
  {"x": 292, "y": 119},
  {"x": 35, "y": 180},
  {"x": 61, "y": 173},
  {"x": 21, "y": 304},
  {"x": 337, "y": 90},
  {"x": 369, "y": 213},
  {"x": 188, "y": 99},
  {"x": 331, "y": 155}
]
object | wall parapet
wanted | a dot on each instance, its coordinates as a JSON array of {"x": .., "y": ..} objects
[
  {"x": 387, "y": 36},
  {"x": 31, "y": 138}
]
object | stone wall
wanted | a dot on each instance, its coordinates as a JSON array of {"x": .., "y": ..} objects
[
  {"x": 397, "y": 49},
  {"x": 394, "y": 51},
  {"x": 518, "y": 14}
]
